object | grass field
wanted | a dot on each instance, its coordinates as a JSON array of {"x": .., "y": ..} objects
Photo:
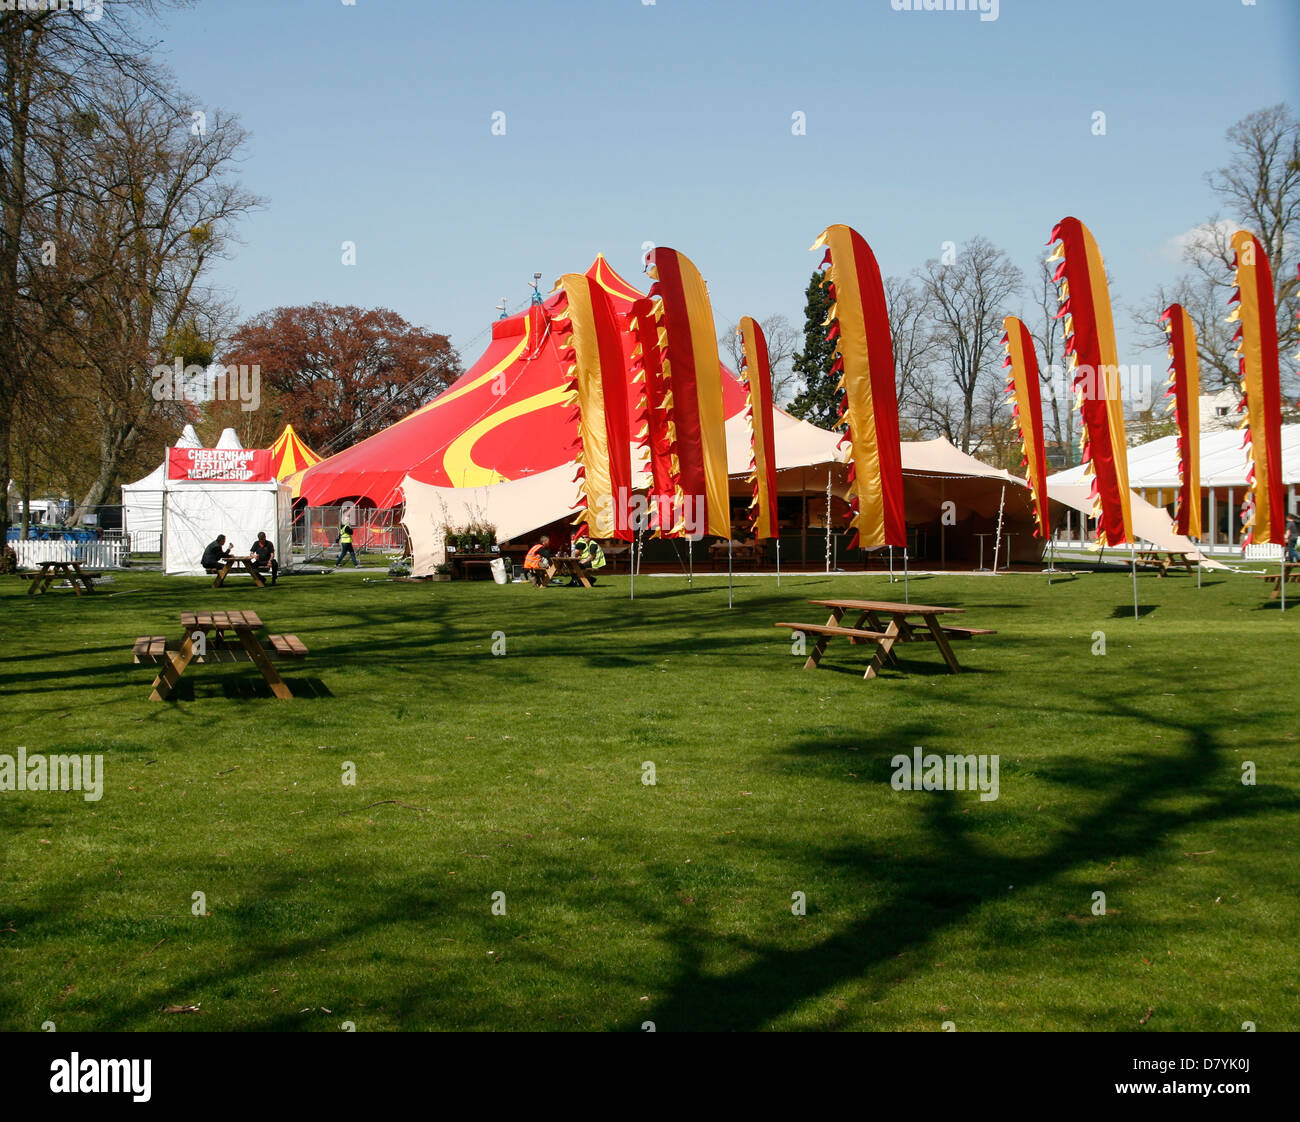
[{"x": 522, "y": 774}]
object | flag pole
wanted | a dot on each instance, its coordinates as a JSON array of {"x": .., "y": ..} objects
[
  {"x": 730, "y": 588},
  {"x": 636, "y": 542},
  {"x": 891, "y": 564},
  {"x": 778, "y": 562},
  {"x": 1282, "y": 586},
  {"x": 904, "y": 574}
]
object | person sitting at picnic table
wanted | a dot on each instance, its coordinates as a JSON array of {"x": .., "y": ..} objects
[
  {"x": 537, "y": 563},
  {"x": 262, "y": 557},
  {"x": 214, "y": 557},
  {"x": 345, "y": 542},
  {"x": 590, "y": 556}
]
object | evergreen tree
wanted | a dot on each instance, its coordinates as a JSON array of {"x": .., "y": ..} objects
[{"x": 817, "y": 402}]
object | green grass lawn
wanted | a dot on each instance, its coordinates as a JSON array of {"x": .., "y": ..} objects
[{"x": 625, "y": 902}]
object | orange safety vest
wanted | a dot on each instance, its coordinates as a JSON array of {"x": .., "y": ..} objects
[{"x": 534, "y": 558}]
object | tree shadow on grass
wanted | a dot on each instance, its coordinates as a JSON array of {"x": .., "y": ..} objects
[
  {"x": 1125, "y": 611},
  {"x": 928, "y": 894}
]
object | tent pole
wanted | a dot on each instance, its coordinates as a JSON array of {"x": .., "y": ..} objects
[
  {"x": 1133, "y": 560},
  {"x": 828, "y": 520}
]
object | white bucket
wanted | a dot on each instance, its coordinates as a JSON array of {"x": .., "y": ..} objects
[{"x": 498, "y": 567}]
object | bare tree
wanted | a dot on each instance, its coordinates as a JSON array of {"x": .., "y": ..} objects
[
  {"x": 914, "y": 342},
  {"x": 1049, "y": 340},
  {"x": 48, "y": 59},
  {"x": 967, "y": 301},
  {"x": 160, "y": 207},
  {"x": 1260, "y": 187}
]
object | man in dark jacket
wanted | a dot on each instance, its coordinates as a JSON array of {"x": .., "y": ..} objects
[
  {"x": 263, "y": 557},
  {"x": 213, "y": 556}
]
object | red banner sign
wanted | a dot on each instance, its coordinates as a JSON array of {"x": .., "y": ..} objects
[{"x": 220, "y": 465}]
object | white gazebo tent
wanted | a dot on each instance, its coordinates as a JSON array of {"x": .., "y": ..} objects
[
  {"x": 142, "y": 501},
  {"x": 238, "y": 497}
]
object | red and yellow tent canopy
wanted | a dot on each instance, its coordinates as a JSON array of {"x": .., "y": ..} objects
[
  {"x": 289, "y": 454},
  {"x": 508, "y": 417}
]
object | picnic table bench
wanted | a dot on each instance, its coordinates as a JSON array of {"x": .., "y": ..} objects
[
  {"x": 1292, "y": 571},
  {"x": 50, "y": 571},
  {"x": 1165, "y": 559},
  {"x": 463, "y": 564},
  {"x": 887, "y": 624},
  {"x": 238, "y": 564},
  {"x": 228, "y": 636}
]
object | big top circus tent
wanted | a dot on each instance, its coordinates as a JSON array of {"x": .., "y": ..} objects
[{"x": 505, "y": 418}]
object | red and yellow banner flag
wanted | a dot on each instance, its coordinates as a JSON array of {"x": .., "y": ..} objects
[
  {"x": 654, "y": 416},
  {"x": 1090, "y": 344},
  {"x": 1185, "y": 390},
  {"x": 859, "y": 327},
  {"x": 756, "y": 373},
  {"x": 1027, "y": 394},
  {"x": 587, "y": 335},
  {"x": 1264, "y": 517},
  {"x": 690, "y": 360}
]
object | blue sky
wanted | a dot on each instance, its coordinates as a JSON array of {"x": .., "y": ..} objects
[{"x": 670, "y": 122}]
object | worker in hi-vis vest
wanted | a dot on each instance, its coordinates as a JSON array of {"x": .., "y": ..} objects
[
  {"x": 345, "y": 544},
  {"x": 537, "y": 563},
  {"x": 590, "y": 556}
]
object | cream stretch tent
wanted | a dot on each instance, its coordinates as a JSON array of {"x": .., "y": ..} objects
[
  {"x": 142, "y": 501},
  {"x": 195, "y": 511},
  {"x": 934, "y": 472}
]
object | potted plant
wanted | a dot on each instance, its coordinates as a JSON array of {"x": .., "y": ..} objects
[
  {"x": 442, "y": 572},
  {"x": 451, "y": 537}
]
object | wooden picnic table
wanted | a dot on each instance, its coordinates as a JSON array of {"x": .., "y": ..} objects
[
  {"x": 229, "y": 636},
  {"x": 50, "y": 571},
  {"x": 1292, "y": 571},
  {"x": 889, "y": 623},
  {"x": 1165, "y": 559},
  {"x": 562, "y": 563},
  {"x": 237, "y": 564}
]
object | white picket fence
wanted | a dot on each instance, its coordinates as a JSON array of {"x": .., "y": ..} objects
[
  {"x": 99, "y": 555},
  {"x": 1266, "y": 551}
]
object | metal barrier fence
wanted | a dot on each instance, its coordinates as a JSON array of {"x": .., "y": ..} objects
[
  {"x": 101, "y": 555},
  {"x": 316, "y": 530}
]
